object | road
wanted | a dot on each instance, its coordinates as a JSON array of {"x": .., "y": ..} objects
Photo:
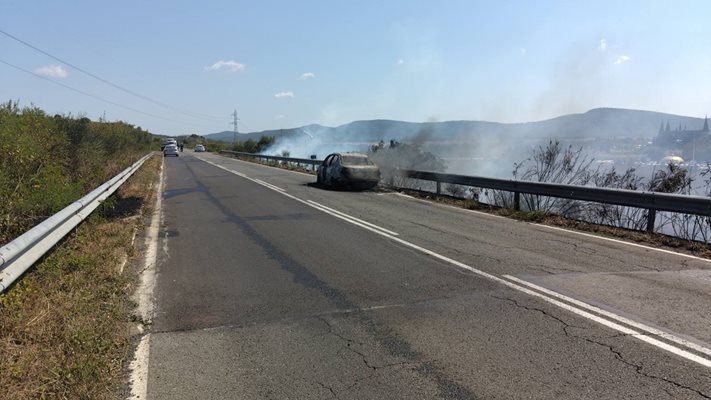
[{"x": 270, "y": 287}]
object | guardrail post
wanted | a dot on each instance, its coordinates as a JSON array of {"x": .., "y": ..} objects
[
  {"x": 439, "y": 188},
  {"x": 517, "y": 201},
  {"x": 651, "y": 218}
]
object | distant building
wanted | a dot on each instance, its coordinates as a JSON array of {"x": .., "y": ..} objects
[{"x": 669, "y": 136}]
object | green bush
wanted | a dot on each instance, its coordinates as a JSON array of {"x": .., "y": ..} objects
[{"x": 47, "y": 162}]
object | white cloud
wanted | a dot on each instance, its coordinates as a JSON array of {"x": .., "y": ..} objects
[
  {"x": 307, "y": 75},
  {"x": 603, "y": 45},
  {"x": 231, "y": 66},
  {"x": 400, "y": 61},
  {"x": 284, "y": 95},
  {"x": 52, "y": 71},
  {"x": 523, "y": 51},
  {"x": 280, "y": 116},
  {"x": 621, "y": 59}
]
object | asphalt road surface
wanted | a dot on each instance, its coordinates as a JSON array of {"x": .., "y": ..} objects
[{"x": 272, "y": 288}]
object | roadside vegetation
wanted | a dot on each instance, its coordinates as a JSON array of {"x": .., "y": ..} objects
[
  {"x": 396, "y": 155},
  {"x": 47, "y": 162},
  {"x": 557, "y": 164},
  {"x": 65, "y": 325}
]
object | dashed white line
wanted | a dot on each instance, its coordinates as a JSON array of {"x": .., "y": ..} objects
[{"x": 354, "y": 218}]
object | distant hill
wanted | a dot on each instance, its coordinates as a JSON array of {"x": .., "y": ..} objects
[
  {"x": 228, "y": 136},
  {"x": 596, "y": 123}
]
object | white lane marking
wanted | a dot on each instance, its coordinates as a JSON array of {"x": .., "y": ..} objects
[
  {"x": 635, "y": 324},
  {"x": 271, "y": 186},
  {"x": 347, "y": 219},
  {"x": 337, "y": 214},
  {"x": 283, "y": 169},
  {"x": 354, "y": 218},
  {"x": 226, "y": 169},
  {"x": 443, "y": 205},
  {"x": 531, "y": 223},
  {"x": 555, "y": 228},
  {"x": 144, "y": 294},
  {"x": 622, "y": 329},
  {"x": 612, "y": 325},
  {"x": 139, "y": 369},
  {"x": 267, "y": 165}
]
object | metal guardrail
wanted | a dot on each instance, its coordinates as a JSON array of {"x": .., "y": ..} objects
[
  {"x": 19, "y": 255},
  {"x": 307, "y": 161},
  {"x": 651, "y": 201}
]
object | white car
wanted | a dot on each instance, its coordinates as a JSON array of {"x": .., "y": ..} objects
[
  {"x": 170, "y": 150},
  {"x": 199, "y": 148}
]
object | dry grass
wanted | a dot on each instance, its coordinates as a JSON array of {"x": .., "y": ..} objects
[{"x": 64, "y": 327}]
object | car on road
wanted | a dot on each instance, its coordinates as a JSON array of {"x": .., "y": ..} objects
[
  {"x": 348, "y": 170},
  {"x": 199, "y": 148},
  {"x": 170, "y": 150},
  {"x": 167, "y": 141}
]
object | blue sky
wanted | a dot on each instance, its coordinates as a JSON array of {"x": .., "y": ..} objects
[{"x": 283, "y": 64}]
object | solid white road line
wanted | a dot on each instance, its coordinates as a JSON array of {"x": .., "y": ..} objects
[
  {"x": 632, "y": 323},
  {"x": 556, "y": 228},
  {"x": 641, "y": 246},
  {"x": 269, "y": 185},
  {"x": 139, "y": 369},
  {"x": 354, "y": 218},
  {"x": 545, "y": 297},
  {"x": 144, "y": 294}
]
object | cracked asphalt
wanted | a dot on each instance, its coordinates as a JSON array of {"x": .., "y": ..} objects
[{"x": 262, "y": 297}]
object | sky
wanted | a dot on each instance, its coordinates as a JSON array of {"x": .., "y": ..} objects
[{"x": 183, "y": 67}]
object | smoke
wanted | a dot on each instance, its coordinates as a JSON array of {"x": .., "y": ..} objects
[
  {"x": 433, "y": 146},
  {"x": 577, "y": 83},
  {"x": 582, "y": 78},
  {"x": 312, "y": 140}
]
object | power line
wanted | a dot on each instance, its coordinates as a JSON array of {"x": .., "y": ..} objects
[
  {"x": 245, "y": 127},
  {"x": 193, "y": 114},
  {"x": 91, "y": 95}
]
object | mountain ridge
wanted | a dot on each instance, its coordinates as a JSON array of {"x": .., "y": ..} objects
[{"x": 603, "y": 122}]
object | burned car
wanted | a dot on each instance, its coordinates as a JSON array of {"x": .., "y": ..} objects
[{"x": 348, "y": 170}]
